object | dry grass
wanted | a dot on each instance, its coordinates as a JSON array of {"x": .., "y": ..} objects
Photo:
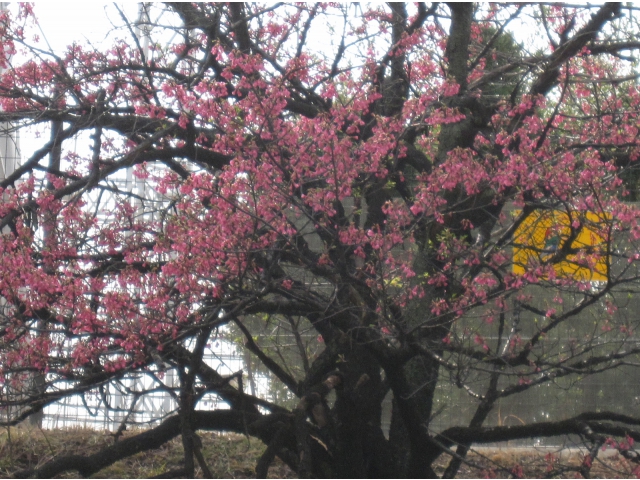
[
  {"x": 228, "y": 456},
  {"x": 235, "y": 456},
  {"x": 540, "y": 463}
]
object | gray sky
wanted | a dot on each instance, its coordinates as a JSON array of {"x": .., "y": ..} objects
[{"x": 63, "y": 22}]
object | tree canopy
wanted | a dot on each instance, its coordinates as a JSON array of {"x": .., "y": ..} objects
[{"x": 437, "y": 200}]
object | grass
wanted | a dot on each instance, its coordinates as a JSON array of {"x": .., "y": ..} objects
[
  {"x": 228, "y": 456},
  {"x": 235, "y": 456}
]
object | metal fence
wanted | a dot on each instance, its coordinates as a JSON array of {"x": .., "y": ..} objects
[
  {"x": 616, "y": 390},
  {"x": 144, "y": 398}
]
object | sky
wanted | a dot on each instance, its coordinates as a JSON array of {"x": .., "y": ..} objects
[{"x": 62, "y": 22}]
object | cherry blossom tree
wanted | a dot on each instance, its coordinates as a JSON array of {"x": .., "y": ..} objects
[{"x": 371, "y": 177}]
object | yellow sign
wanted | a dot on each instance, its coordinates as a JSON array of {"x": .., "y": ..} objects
[{"x": 543, "y": 233}]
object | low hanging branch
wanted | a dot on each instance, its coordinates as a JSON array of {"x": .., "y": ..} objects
[
  {"x": 582, "y": 424},
  {"x": 222, "y": 420}
]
